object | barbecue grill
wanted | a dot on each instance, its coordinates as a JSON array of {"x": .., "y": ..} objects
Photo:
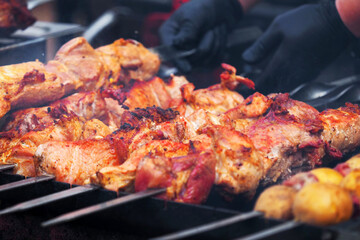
[
  {"x": 145, "y": 216},
  {"x": 33, "y": 42}
]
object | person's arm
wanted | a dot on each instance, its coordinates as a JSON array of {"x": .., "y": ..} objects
[
  {"x": 349, "y": 11},
  {"x": 302, "y": 42},
  {"x": 248, "y": 4},
  {"x": 203, "y": 25}
]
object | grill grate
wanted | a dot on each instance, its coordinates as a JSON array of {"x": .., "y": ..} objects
[{"x": 151, "y": 217}]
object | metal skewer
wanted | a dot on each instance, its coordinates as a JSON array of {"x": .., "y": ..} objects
[
  {"x": 48, "y": 199},
  {"x": 209, "y": 226},
  {"x": 271, "y": 231},
  {"x": 6, "y": 167},
  {"x": 102, "y": 206},
  {"x": 25, "y": 182}
]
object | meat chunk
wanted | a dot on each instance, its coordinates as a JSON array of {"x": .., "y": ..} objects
[
  {"x": 187, "y": 178},
  {"x": 128, "y": 60},
  {"x": 14, "y": 14},
  {"x": 21, "y": 150},
  {"x": 287, "y": 139},
  {"x": 76, "y": 67},
  {"x": 341, "y": 129},
  {"x": 74, "y": 163},
  {"x": 27, "y": 84},
  {"x": 239, "y": 167},
  {"x": 123, "y": 176}
]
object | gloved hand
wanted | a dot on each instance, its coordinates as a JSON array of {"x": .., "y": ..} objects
[
  {"x": 201, "y": 24},
  {"x": 300, "y": 43}
]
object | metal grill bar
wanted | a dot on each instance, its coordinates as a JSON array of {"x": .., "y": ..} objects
[
  {"x": 209, "y": 226},
  {"x": 102, "y": 206},
  {"x": 48, "y": 199},
  {"x": 271, "y": 231},
  {"x": 5, "y": 167},
  {"x": 25, "y": 182}
]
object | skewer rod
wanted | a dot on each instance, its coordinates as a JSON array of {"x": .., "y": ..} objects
[
  {"x": 102, "y": 206},
  {"x": 209, "y": 226}
]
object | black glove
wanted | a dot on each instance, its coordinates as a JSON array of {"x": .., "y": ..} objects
[
  {"x": 201, "y": 24},
  {"x": 301, "y": 43}
]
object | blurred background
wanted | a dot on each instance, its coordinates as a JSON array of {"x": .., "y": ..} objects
[{"x": 102, "y": 22}]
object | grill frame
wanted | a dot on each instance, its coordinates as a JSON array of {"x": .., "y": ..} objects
[{"x": 151, "y": 217}]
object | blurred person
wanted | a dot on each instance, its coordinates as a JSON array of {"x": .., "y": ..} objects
[{"x": 297, "y": 45}]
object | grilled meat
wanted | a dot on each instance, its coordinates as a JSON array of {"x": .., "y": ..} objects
[
  {"x": 21, "y": 150},
  {"x": 86, "y": 105},
  {"x": 168, "y": 134},
  {"x": 258, "y": 140},
  {"x": 286, "y": 138},
  {"x": 74, "y": 163},
  {"x": 14, "y": 14},
  {"x": 27, "y": 84},
  {"x": 128, "y": 59},
  {"x": 341, "y": 129},
  {"x": 114, "y": 148},
  {"x": 101, "y": 105},
  {"x": 123, "y": 176},
  {"x": 76, "y": 67},
  {"x": 187, "y": 178},
  {"x": 239, "y": 167},
  {"x": 106, "y": 105}
]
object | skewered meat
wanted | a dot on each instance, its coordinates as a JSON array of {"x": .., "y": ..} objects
[
  {"x": 128, "y": 59},
  {"x": 215, "y": 99},
  {"x": 123, "y": 176},
  {"x": 105, "y": 105},
  {"x": 76, "y": 67},
  {"x": 288, "y": 124},
  {"x": 86, "y": 105},
  {"x": 101, "y": 105},
  {"x": 341, "y": 128},
  {"x": 214, "y": 136},
  {"x": 239, "y": 168},
  {"x": 276, "y": 135},
  {"x": 286, "y": 141},
  {"x": 27, "y": 84},
  {"x": 14, "y": 15},
  {"x": 114, "y": 148},
  {"x": 21, "y": 150},
  {"x": 82, "y": 160},
  {"x": 187, "y": 178}
]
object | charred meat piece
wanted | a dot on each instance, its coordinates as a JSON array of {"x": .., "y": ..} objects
[
  {"x": 76, "y": 67},
  {"x": 187, "y": 178},
  {"x": 128, "y": 60},
  {"x": 287, "y": 138},
  {"x": 21, "y": 150},
  {"x": 74, "y": 162},
  {"x": 14, "y": 15},
  {"x": 239, "y": 167},
  {"x": 341, "y": 129},
  {"x": 88, "y": 105},
  {"x": 102, "y": 105},
  {"x": 123, "y": 176},
  {"x": 27, "y": 84},
  {"x": 153, "y": 92},
  {"x": 112, "y": 149}
]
